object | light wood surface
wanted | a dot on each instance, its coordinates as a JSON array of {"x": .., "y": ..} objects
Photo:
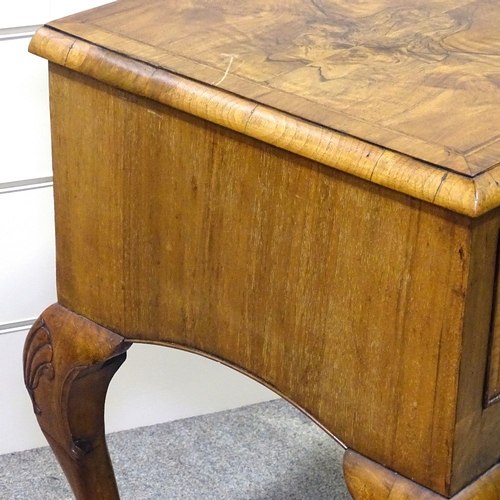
[
  {"x": 333, "y": 120},
  {"x": 350, "y": 265},
  {"x": 412, "y": 76},
  {"x": 367, "y": 480}
]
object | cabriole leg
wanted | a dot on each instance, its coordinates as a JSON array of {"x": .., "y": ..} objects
[{"x": 68, "y": 364}]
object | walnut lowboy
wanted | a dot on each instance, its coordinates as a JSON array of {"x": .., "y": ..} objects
[{"x": 307, "y": 192}]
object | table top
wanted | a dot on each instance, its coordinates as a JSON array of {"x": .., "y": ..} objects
[{"x": 408, "y": 89}]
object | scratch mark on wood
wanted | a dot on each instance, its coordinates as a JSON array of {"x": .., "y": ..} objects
[{"x": 226, "y": 73}]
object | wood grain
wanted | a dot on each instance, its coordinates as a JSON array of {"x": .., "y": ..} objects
[
  {"x": 477, "y": 440},
  {"x": 467, "y": 195},
  {"x": 367, "y": 480},
  {"x": 493, "y": 380},
  {"x": 308, "y": 278},
  {"x": 307, "y": 191},
  {"x": 412, "y": 76}
]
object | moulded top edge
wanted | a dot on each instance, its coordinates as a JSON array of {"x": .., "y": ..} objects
[{"x": 467, "y": 195}]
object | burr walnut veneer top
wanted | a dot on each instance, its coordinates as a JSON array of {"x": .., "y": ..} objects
[{"x": 405, "y": 93}]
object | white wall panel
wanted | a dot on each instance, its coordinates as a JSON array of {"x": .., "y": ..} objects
[
  {"x": 23, "y": 12},
  {"x": 31, "y": 12},
  {"x": 27, "y": 262},
  {"x": 61, "y": 8},
  {"x": 158, "y": 384},
  {"x": 18, "y": 426},
  {"x": 24, "y": 113}
]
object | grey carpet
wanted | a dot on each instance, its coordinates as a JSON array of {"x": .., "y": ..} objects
[{"x": 267, "y": 451}]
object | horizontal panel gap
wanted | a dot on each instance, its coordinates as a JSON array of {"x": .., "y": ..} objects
[
  {"x": 17, "y": 32},
  {"x": 26, "y": 184},
  {"x": 16, "y": 326}
]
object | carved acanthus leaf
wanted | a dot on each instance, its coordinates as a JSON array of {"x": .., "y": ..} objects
[{"x": 38, "y": 359}]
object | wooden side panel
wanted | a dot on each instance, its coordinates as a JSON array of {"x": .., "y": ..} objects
[
  {"x": 477, "y": 440},
  {"x": 345, "y": 296},
  {"x": 493, "y": 379}
]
